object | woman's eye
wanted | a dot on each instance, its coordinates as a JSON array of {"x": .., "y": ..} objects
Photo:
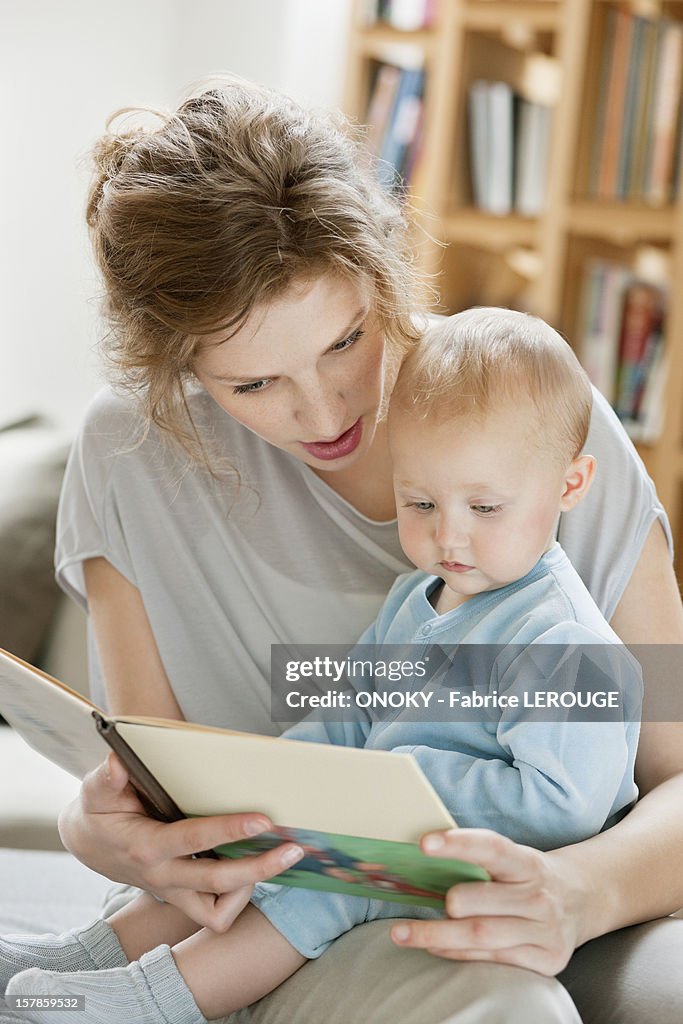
[
  {"x": 348, "y": 342},
  {"x": 485, "y": 510},
  {"x": 251, "y": 387}
]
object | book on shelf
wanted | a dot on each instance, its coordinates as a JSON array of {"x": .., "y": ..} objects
[
  {"x": 532, "y": 149},
  {"x": 641, "y": 335},
  {"x": 603, "y": 291},
  {"x": 509, "y": 144},
  {"x": 627, "y": 146},
  {"x": 621, "y": 344},
  {"x": 664, "y": 119},
  {"x": 620, "y": 31},
  {"x": 635, "y": 183},
  {"x": 357, "y": 813},
  {"x": 404, "y": 15},
  {"x": 637, "y": 127},
  {"x": 394, "y": 115}
]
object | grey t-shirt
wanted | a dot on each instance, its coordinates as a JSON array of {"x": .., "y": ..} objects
[{"x": 225, "y": 569}]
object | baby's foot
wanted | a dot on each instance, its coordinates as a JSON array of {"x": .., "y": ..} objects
[
  {"x": 83, "y": 949},
  {"x": 148, "y": 991}
]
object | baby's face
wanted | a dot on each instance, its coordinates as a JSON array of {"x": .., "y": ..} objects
[{"x": 477, "y": 503}]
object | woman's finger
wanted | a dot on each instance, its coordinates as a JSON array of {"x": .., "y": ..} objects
[
  {"x": 505, "y": 860},
  {"x": 486, "y": 934},
  {"x": 106, "y": 789},
  {"x": 533, "y": 958},
  {"x": 224, "y": 875},
  {"x": 532, "y": 900},
  {"x": 194, "y": 835}
]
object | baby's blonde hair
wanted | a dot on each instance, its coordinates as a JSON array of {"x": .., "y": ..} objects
[{"x": 487, "y": 359}]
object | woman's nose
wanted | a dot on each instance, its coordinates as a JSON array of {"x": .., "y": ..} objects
[{"x": 321, "y": 411}]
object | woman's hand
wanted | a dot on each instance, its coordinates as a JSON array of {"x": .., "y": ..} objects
[
  {"x": 524, "y": 916},
  {"x": 107, "y": 828}
]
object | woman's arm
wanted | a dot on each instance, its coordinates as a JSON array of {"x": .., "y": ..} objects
[
  {"x": 134, "y": 675},
  {"x": 106, "y": 826},
  {"x": 540, "y": 906}
]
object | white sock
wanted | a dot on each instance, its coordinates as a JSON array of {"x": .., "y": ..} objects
[
  {"x": 83, "y": 949},
  {"x": 149, "y": 991}
]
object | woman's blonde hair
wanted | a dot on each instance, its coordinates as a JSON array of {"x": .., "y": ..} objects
[
  {"x": 486, "y": 359},
  {"x": 220, "y": 207}
]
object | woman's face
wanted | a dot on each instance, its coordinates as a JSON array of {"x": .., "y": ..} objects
[{"x": 305, "y": 373}]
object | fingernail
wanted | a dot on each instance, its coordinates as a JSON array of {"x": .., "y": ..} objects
[
  {"x": 254, "y": 827},
  {"x": 400, "y": 933},
  {"x": 433, "y": 842},
  {"x": 291, "y": 855}
]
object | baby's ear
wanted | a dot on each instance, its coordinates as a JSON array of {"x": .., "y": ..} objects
[{"x": 577, "y": 481}]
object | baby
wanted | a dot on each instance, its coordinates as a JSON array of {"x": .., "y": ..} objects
[{"x": 487, "y": 425}]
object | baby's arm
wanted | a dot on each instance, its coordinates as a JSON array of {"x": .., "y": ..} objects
[{"x": 554, "y": 782}]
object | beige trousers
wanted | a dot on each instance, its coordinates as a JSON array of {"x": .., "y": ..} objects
[{"x": 632, "y": 976}]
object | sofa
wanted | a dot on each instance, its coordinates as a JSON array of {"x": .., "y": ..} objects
[{"x": 37, "y": 622}]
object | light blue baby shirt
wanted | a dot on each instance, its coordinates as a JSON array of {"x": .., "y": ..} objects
[{"x": 542, "y": 783}]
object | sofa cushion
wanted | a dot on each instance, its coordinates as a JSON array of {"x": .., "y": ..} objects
[{"x": 32, "y": 459}]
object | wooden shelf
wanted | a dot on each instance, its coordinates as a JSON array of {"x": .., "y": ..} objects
[
  {"x": 497, "y": 15},
  {"x": 537, "y": 263},
  {"x": 471, "y": 226},
  {"x": 381, "y": 41},
  {"x": 621, "y": 223}
]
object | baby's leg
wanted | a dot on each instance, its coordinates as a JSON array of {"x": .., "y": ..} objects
[
  {"x": 230, "y": 971},
  {"x": 205, "y": 976},
  {"x": 145, "y": 923},
  {"x": 142, "y": 925}
]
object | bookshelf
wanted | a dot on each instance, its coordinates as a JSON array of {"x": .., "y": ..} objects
[{"x": 557, "y": 48}]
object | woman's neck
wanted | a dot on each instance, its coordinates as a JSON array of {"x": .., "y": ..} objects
[{"x": 367, "y": 484}]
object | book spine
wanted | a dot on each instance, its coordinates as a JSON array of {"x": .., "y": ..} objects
[
  {"x": 153, "y": 796},
  {"x": 381, "y": 105},
  {"x": 403, "y": 127},
  {"x": 641, "y": 323},
  {"x": 614, "y": 108},
  {"x": 479, "y": 140},
  {"x": 664, "y": 115},
  {"x": 633, "y": 85},
  {"x": 500, "y": 147},
  {"x": 636, "y": 173}
]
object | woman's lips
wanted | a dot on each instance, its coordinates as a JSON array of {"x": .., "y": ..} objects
[
  {"x": 456, "y": 566},
  {"x": 341, "y": 446}
]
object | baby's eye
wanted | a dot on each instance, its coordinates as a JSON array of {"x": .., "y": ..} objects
[
  {"x": 421, "y": 506},
  {"x": 485, "y": 510},
  {"x": 251, "y": 387}
]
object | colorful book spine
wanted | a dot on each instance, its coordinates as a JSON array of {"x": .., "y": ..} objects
[
  {"x": 603, "y": 300},
  {"x": 610, "y": 144},
  {"x": 621, "y": 345},
  {"x": 664, "y": 116},
  {"x": 641, "y": 331},
  {"x": 402, "y": 132}
]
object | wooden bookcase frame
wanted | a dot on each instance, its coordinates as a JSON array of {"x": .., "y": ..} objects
[{"x": 480, "y": 248}]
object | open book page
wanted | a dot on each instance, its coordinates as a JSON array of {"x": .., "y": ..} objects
[{"x": 53, "y": 719}]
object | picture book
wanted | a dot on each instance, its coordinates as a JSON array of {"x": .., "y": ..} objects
[{"x": 357, "y": 813}]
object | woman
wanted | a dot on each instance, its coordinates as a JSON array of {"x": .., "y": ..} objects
[{"x": 260, "y": 296}]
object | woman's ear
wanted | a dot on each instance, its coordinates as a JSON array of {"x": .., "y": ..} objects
[{"x": 577, "y": 481}]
